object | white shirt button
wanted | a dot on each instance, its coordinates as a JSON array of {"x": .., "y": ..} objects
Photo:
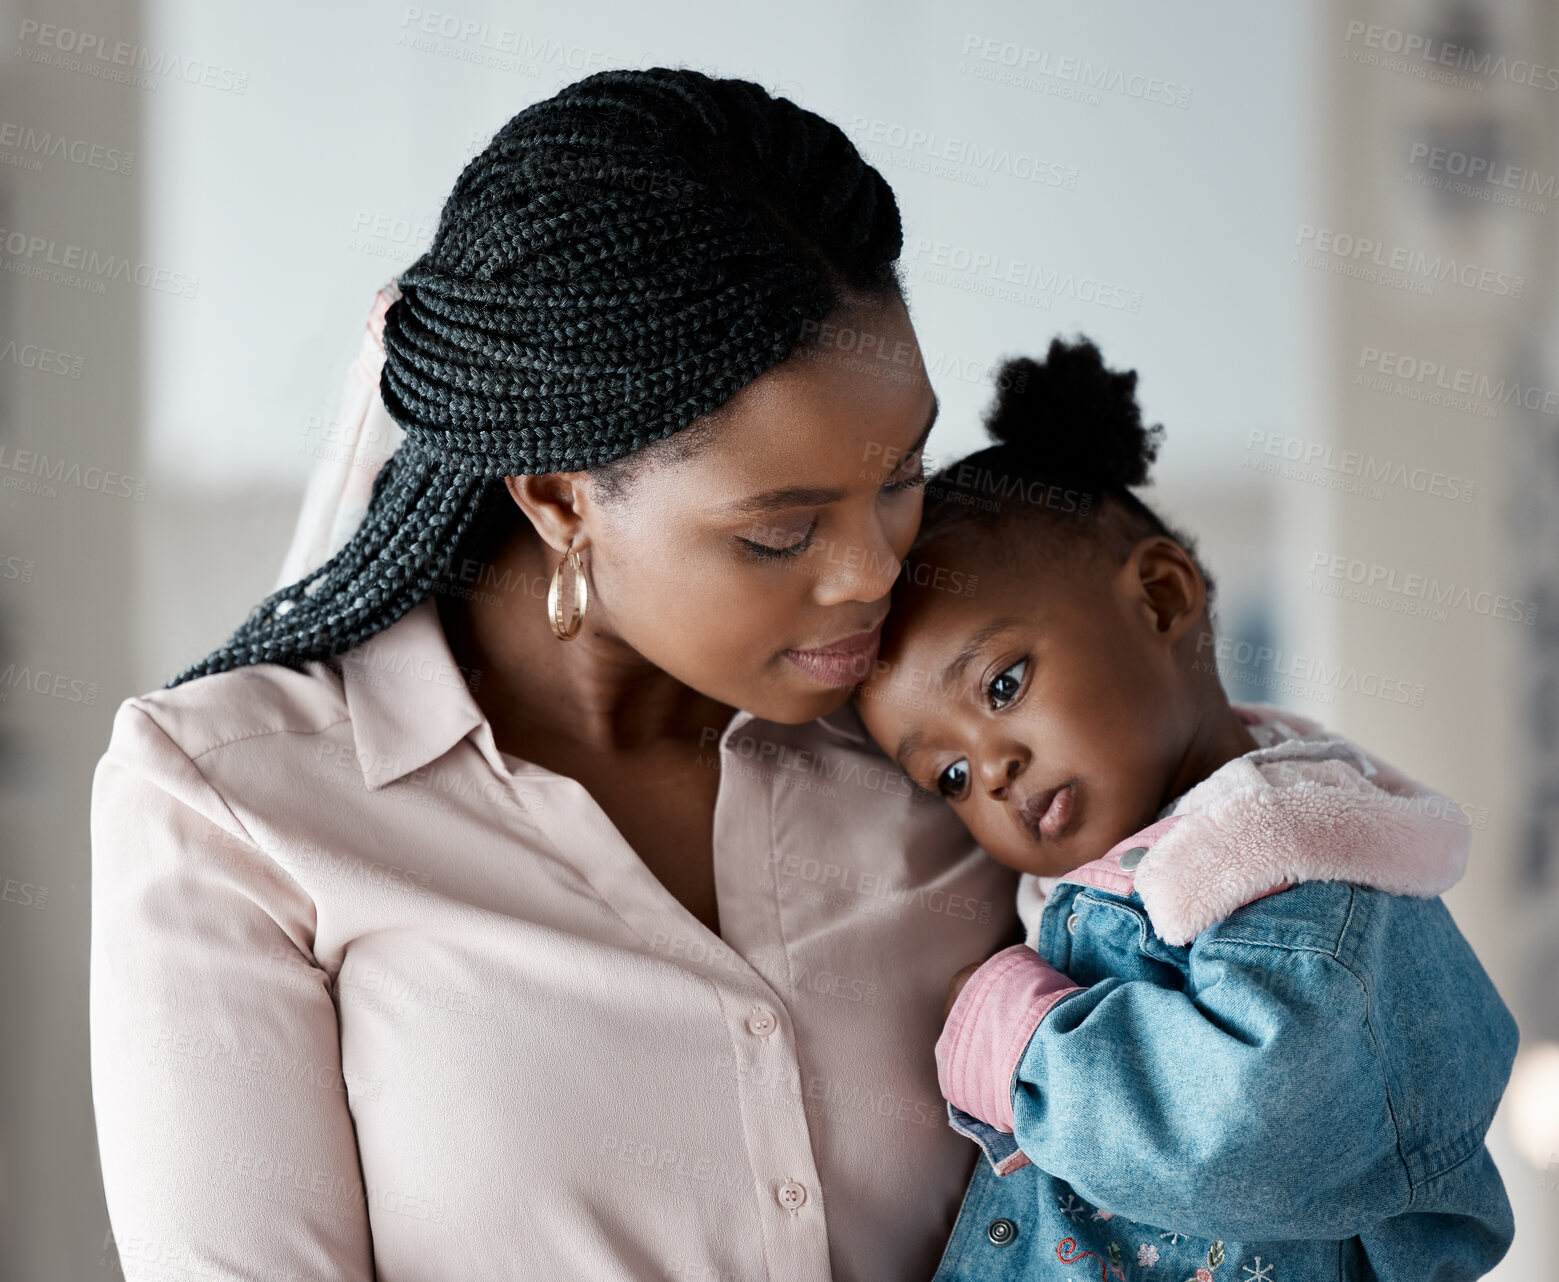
[
  {"x": 1071, "y": 924},
  {"x": 762, "y": 1022},
  {"x": 791, "y": 1195}
]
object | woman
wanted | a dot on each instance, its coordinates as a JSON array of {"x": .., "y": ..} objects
[{"x": 444, "y": 931}]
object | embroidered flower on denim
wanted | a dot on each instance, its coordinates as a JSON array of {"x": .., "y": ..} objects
[
  {"x": 1147, "y": 1255},
  {"x": 1214, "y": 1259}
]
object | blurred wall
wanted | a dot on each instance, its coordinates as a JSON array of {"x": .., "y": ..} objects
[
  {"x": 1432, "y": 247},
  {"x": 76, "y": 281}
]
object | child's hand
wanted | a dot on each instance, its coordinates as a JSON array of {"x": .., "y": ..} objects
[{"x": 960, "y": 978}]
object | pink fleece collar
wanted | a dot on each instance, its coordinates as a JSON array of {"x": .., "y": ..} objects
[{"x": 1309, "y": 806}]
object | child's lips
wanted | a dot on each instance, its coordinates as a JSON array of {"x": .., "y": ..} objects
[{"x": 1048, "y": 814}]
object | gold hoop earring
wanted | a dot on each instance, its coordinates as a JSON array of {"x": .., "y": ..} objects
[{"x": 570, "y": 630}]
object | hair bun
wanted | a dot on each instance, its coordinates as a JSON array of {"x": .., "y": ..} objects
[{"x": 1071, "y": 418}]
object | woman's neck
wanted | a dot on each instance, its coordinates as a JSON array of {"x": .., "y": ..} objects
[{"x": 593, "y": 692}]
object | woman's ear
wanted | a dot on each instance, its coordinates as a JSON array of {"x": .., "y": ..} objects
[
  {"x": 1169, "y": 588},
  {"x": 555, "y": 503}
]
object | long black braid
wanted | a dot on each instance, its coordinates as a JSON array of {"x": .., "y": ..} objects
[{"x": 618, "y": 261}]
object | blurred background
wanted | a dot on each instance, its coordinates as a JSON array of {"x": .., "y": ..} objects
[{"x": 1323, "y": 231}]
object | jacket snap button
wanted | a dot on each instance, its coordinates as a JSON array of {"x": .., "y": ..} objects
[
  {"x": 1133, "y": 857},
  {"x": 1002, "y": 1232},
  {"x": 1071, "y": 924}
]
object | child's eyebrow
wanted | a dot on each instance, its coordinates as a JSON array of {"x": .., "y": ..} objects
[
  {"x": 911, "y": 742},
  {"x": 964, "y": 657}
]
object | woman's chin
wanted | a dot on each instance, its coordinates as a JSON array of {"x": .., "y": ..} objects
[{"x": 792, "y": 702}]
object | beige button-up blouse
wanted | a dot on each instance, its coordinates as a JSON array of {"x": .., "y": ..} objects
[{"x": 371, "y": 998}]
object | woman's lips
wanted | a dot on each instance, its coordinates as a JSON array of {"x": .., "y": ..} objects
[
  {"x": 842, "y": 663},
  {"x": 1047, "y": 815}
]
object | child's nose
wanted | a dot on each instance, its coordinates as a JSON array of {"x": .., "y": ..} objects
[{"x": 998, "y": 770}]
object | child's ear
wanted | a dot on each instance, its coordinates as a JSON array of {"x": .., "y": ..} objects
[{"x": 1168, "y": 586}]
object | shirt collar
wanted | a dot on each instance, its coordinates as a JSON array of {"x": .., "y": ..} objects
[{"x": 409, "y": 701}]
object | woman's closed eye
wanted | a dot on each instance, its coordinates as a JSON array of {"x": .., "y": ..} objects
[
  {"x": 765, "y": 550},
  {"x": 771, "y": 544},
  {"x": 915, "y": 478}
]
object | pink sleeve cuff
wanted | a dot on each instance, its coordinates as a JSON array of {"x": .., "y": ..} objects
[{"x": 989, "y": 1027}]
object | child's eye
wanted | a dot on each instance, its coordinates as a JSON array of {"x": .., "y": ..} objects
[
  {"x": 952, "y": 781},
  {"x": 1005, "y": 685}
]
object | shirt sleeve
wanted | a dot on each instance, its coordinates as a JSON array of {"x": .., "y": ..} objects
[
  {"x": 1250, "y": 1104},
  {"x": 226, "y": 1141}
]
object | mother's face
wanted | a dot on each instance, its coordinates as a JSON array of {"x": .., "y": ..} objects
[{"x": 757, "y": 570}]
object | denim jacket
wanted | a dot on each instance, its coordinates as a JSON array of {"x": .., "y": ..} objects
[{"x": 1247, "y": 1045}]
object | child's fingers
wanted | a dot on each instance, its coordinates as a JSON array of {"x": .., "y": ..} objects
[{"x": 960, "y": 978}]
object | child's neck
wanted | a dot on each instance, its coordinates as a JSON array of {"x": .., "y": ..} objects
[{"x": 1218, "y": 738}]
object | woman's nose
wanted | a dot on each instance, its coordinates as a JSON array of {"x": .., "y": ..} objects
[{"x": 860, "y": 567}]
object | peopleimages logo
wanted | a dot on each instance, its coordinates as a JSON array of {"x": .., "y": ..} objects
[
  {"x": 1364, "y": 255},
  {"x": 1482, "y": 169},
  {"x": 941, "y": 153},
  {"x": 1457, "y": 381},
  {"x": 30, "y": 145},
  {"x": 984, "y": 272},
  {"x": 44, "y": 257},
  {"x": 502, "y": 48},
  {"x": 54, "y": 685},
  {"x": 1020, "y": 60},
  {"x": 43, "y": 359},
  {"x": 1372, "y": 583},
  {"x": 119, "y": 60},
  {"x": 22, "y": 470},
  {"x": 943, "y": 365},
  {"x": 1306, "y": 676},
  {"x": 1348, "y": 470},
  {"x": 1432, "y": 53}
]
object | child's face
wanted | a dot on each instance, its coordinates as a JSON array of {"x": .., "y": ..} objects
[{"x": 1046, "y": 708}]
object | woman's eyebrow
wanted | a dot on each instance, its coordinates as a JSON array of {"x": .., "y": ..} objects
[
  {"x": 813, "y": 495},
  {"x": 785, "y": 496}
]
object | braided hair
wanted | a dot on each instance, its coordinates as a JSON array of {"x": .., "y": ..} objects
[
  {"x": 617, "y": 262},
  {"x": 1068, "y": 446}
]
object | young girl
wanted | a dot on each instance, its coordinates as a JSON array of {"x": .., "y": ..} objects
[{"x": 1243, "y": 1040}]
